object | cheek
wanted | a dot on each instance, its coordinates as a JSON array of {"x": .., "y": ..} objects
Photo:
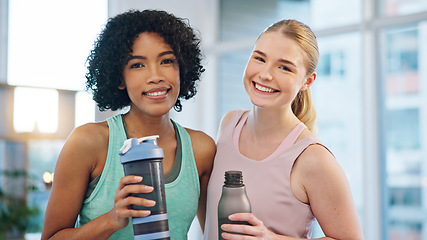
[
  {"x": 249, "y": 75},
  {"x": 251, "y": 70},
  {"x": 173, "y": 75}
]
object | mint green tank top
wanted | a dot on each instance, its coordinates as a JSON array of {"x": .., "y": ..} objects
[{"x": 182, "y": 195}]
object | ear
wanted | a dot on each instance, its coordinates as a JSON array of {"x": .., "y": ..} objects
[
  {"x": 122, "y": 85},
  {"x": 308, "y": 81}
]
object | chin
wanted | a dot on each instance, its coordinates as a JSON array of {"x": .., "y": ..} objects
[{"x": 258, "y": 103}]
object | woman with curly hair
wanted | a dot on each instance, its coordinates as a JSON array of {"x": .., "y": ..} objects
[{"x": 148, "y": 61}]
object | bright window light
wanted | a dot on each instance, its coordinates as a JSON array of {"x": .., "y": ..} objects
[
  {"x": 85, "y": 108},
  {"x": 35, "y": 110},
  {"x": 49, "y": 48}
]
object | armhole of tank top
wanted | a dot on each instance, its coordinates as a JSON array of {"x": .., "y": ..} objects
[
  {"x": 96, "y": 182},
  {"x": 187, "y": 154},
  {"x": 177, "y": 165}
]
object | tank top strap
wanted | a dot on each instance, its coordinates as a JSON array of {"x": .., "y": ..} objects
[
  {"x": 237, "y": 122},
  {"x": 294, "y": 134},
  {"x": 238, "y": 119}
]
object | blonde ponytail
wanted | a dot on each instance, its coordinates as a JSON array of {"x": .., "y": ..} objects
[{"x": 303, "y": 108}]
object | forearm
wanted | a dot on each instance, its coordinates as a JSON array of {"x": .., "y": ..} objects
[
  {"x": 99, "y": 228},
  {"x": 281, "y": 237}
]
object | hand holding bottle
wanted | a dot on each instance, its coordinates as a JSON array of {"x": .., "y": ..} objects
[
  {"x": 256, "y": 229},
  {"x": 123, "y": 200}
]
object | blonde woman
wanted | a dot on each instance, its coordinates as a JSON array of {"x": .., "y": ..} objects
[{"x": 290, "y": 177}]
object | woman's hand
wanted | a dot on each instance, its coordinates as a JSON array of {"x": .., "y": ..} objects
[
  {"x": 122, "y": 201},
  {"x": 256, "y": 229}
]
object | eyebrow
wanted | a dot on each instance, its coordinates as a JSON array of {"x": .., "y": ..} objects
[
  {"x": 282, "y": 60},
  {"x": 131, "y": 57}
]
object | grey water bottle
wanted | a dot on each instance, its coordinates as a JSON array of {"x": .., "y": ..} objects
[
  {"x": 142, "y": 157},
  {"x": 233, "y": 199}
]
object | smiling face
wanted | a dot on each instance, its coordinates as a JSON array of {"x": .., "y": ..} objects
[
  {"x": 275, "y": 71},
  {"x": 151, "y": 75}
]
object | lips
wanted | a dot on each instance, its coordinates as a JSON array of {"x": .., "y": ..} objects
[{"x": 263, "y": 88}]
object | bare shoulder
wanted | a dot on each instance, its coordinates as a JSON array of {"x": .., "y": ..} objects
[
  {"x": 201, "y": 142},
  {"x": 317, "y": 158},
  {"x": 314, "y": 169},
  {"x": 89, "y": 132},
  {"x": 89, "y": 141},
  {"x": 225, "y": 121},
  {"x": 204, "y": 149},
  {"x": 227, "y": 117}
]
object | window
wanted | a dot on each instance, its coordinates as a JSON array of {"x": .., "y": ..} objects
[
  {"x": 35, "y": 110},
  {"x": 402, "y": 7},
  {"x": 344, "y": 13},
  {"x": 338, "y": 101},
  {"x": 49, "y": 41},
  {"x": 42, "y": 158},
  {"x": 403, "y": 151},
  {"x": 47, "y": 45}
]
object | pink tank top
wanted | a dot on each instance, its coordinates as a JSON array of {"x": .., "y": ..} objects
[{"x": 267, "y": 182}]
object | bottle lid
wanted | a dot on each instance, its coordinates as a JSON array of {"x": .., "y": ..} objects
[
  {"x": 233, "y": 178},
  {"x": 140, "y": 148}
]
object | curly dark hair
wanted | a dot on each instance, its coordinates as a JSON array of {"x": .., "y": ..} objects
[{"x": 114, "y": 46}]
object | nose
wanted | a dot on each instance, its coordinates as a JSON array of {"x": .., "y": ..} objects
[
  {"x": 265, "y": 74},
  {"x": 155, "y": 75}
]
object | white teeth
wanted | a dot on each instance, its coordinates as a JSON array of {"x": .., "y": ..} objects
[
  {"x": 156, "y": 93},
  {"x": 263, "y": 89}
]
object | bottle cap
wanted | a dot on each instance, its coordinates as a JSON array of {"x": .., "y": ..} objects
[
  {"x": 140, "y": 148},
  {"x": 233, "y": 178}
]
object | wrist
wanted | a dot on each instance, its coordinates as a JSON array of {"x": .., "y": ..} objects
[{"x": 112, "y": 223}]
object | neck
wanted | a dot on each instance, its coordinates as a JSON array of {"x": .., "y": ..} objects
[
  {"x": 139, "y": 125},
  {"x": 265, "y": 123}
]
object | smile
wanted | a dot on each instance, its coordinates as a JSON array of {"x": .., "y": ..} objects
[
  {"x": 264, "y": 88},
  {"x": 156, "y": 93}
]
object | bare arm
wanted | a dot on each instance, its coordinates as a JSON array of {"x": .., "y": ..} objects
[
  {"x": 204, "y": 151},
  {"x": 328, "y": 192},
  {"x": 79, "y": 159}
]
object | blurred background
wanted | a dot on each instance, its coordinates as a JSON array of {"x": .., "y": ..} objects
[{"x": 370, "y": 94}]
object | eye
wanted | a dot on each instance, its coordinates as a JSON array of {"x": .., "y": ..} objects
[
  {"x": 136, "y": 65},
  {"x": 168, "y": 61},
  {"x": 284, "y": 68},
  {"x": 260, "y": 59}
]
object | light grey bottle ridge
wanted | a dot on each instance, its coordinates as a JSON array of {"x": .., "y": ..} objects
[{"x": 233, "y": 200}]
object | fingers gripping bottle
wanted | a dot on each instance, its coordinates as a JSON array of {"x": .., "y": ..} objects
[
  {"x": 142, "y": 157},
  {"x": 233, "y": 200}
]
